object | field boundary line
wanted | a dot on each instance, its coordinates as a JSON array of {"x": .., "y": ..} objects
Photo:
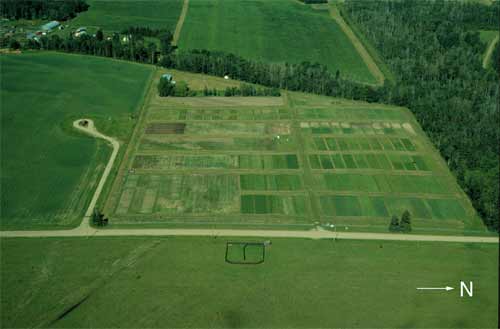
[
  {"x": 180, "y": 22},
  {"x": 369, "y": 61},
  {"x": 91, "y": 130},
  {"x": 489, "y": 51}
]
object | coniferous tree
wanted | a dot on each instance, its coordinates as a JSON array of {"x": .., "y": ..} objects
[{"x": 394, "y": 225}]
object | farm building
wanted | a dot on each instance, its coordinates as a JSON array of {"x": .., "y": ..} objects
[
  {"x": 50, "y": 26},
  {"x": 168, "y": 77}
]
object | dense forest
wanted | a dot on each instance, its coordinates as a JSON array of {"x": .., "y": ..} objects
[
  {"x": 43, "y": 9},
  {"x": 433, "y": 48}
]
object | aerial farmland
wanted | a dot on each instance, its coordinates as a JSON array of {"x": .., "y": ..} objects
[{"x": 249, "y": 164}]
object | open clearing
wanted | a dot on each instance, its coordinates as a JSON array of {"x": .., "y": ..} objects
[
  {"x": 261, "y": 30},
  {"x": 291, "y": 160},
  {"x": 302, "y": 283},
  {"x": 115, "y": 15},
  {"x": 48, "y": 168}
]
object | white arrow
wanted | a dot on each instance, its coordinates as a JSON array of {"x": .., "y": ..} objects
[{"x": 437, "y": 288}]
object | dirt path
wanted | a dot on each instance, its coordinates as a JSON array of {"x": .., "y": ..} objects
[
  {"x": 489, "y": 51},
  {"x": 370, "y": 63},
  {"x": 180, "y": 22},
  {"x": 90, "y": 129},
  {"x": 312, "y": 234}
]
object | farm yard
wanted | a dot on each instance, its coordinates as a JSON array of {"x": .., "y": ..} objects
[
  {"x": 49, "y": 169},
  {"x": 298, "y": 161},
  {"x": 261, "y": 30}
]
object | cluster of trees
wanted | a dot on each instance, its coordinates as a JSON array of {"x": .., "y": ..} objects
[
  {"x": 44, "y": 9},
  {"x": 401, "y": 226},
  {"x": 434, "y": 50},
  {"x": 246, "y": 89},
  {"x": 98, "y": 218},
  {"x": 139, "y": 31},
  {"x": 179, "y": 89},
  {"x": 133, "y": 49}
]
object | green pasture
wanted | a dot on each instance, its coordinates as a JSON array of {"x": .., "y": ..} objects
[
  {"x": 261, "y": 30},
  {"x": 185, "y": 282},
  {"x": 116, "y": 15},
  {"x": 47, "y": 168}
]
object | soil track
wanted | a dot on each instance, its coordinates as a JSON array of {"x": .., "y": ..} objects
[
  {"x": 312, "y": 234},
  {"x": 180, "y": 22},
  {"x": 91, "y": 130}
]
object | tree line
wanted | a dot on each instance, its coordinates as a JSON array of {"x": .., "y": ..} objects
[
  {"x": 131, "y": 48},
  {"x": 42, "y": 9},
  {"x": 433, "y": 48}
]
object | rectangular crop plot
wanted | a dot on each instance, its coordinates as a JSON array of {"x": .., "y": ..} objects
[
  {"x": 275, "y": 161},
  {"x": 219, "y": 128},
  {"x": 166, "y": 128},
  {"x": 270, "y": 182},
  {"x": 167, "y": 162},
  {"x": 340, "y": 205},
  {"x": 223, "y": 161},
  {"x": 273, "y": 113},
  {"x": 225, "y": 143},
  {"x": 181, "y": 194},
  {"x": 346, "y": 113},
  {"x": 295, "y": 205}
]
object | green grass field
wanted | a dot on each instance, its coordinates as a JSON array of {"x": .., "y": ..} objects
[
  {"x": 47, "y": 168},
  {"x": 185, "y": 282},
  {"x": 115, "y": 15},
  {"x": 292, "y": 160},
  {"x": 261, "y": 30}
]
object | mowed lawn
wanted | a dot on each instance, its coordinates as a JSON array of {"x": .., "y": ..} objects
[
  {"x": 116, "y": 15},
  {"x": 274, "y": 31},
  {"x": 47, "y": 168},
  {"x": 185, "y": 282}
]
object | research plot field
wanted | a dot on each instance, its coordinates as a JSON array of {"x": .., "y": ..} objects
[{"x": 354, "y": 164}]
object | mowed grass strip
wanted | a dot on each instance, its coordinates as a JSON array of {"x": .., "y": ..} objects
[
  {"x": 308, "y": 283},
  {"x": 47, "y": 168},
  {"x": 261, "y": 30}
]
